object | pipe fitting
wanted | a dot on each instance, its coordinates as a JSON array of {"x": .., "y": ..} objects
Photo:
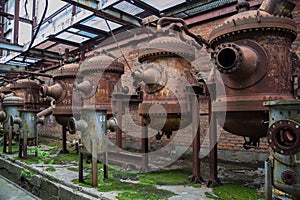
[
  {"x": 3, "y": 116},
  {"x": 16, "y": 120},
  {"x": 150, "y": 74},
  {"x": 48, "y": 111},
  {"x": 54, "y": 91},
  {"x": 77, "y": 125},
  {"x": 85, "y": 87},
  {"x": 40, "y": 120},
  {"x": 284, "y": 137},
  {"x": 112, "y": 124},
  {"x": 237, "y": 61}
]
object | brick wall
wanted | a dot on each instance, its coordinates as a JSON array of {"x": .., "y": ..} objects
[{"x": 131, "y": 127}]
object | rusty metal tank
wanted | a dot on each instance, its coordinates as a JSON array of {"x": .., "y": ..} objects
[
  {"x": 28, "y": 90},
  {"x": 101, "y": 74},
  {"x": 11, "y": 106},
  {"x": 252, "y": 51},
  {"x": 62, "y": 92},
  {"x": 166, "y": 72}
]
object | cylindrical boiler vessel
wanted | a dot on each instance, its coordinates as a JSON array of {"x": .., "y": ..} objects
[
  {"x": 101, "y": 74},
  {"x": 165, "y": 73},
  {"x": 11, "y": 106},
  {"x": 62, "y": 92},
  {"x": 252, "y": 52}
]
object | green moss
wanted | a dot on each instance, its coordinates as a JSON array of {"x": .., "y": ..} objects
[
  {"x": 235, "y": 191},
  {"x": 50, "y": 169},
  {"x": 74, "y": 169},
  {"x": 163, "y": 177},
  {"x": 127, "y": 190},
  {"x": 62, "y": 159}
]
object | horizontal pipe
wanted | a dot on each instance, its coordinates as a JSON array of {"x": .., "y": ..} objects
[
  {"x": 77, "y": 125},
  {"x": 237, "y": 61},
  {"x": 85, "y": 87},
  {"x": 45, "y": 113},
  {"x": 54, "y": 91}
]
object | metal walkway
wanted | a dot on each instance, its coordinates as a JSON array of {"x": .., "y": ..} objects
[{"x": 10, "y": 191}]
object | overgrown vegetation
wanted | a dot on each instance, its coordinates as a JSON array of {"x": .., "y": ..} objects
[{"x": 235, "y": 191}]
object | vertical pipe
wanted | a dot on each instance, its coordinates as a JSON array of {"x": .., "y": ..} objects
[
  {"x": 80, "y": 165},
  {"x": 145, "y": 147},
  {"x": 196, "y": 138},
  {"x": 16, "y": 21},
  {"x": 2, "y": 36},
  {"x": 10, "y": 136},
  {"x": 34, "y": 17},
  {"x": 94, "y": 163}
]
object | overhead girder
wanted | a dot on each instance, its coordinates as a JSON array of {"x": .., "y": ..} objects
[{"x": 113, "y": 15}]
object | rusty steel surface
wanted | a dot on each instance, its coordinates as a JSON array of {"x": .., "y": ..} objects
[
  {"x": 252, "y": 51},
  {"x": 101, "y": 74},
  {"x": 62, "y": 91},
  {"x": 28, "y": 90},
  {"x": 165, "y": 67}
]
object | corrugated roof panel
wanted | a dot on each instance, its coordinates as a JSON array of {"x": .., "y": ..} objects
[
  {"x": 99, "y": 23},
  {"x": 163, "y": 4},
  {"x": 209, "y": 6},
  {"x": 72, "y": 37},
  {"x": 128, "y": 8}
]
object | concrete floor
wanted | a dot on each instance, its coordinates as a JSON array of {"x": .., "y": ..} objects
[{"x": 9, "y": 191}]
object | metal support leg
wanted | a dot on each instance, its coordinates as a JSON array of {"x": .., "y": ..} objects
[
  {"x": 105, "y": 166},
  {"x": 145, "y": 148},
  {"x": 94, "y": 163},
  {"x": 64, "y": 140},
  {"x": 25, "y": 140},
  {"x": 20, "y": 147},
  {"x": 196, "y": 177},
  {"x": 119, "y": 120},
  {"x": 80, "y": 166},
  {"x": 213, "y": 181},
  {"x": 268, "y": 179},
  {"x": 10, "y": 137},
  {"x": 4, "y": 143}
]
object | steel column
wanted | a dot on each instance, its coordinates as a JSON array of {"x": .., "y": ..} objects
[
  {"x": 16, "y": 21},
  {"x": 196, "y": 177},
  {"x": 213, "y": 145}
]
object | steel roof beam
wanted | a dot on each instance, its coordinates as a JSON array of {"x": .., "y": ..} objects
[
  {"x": 11, "y": 68},
  {"x": 11, "y": 47},
  {"x": 94, "y": 6}
]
